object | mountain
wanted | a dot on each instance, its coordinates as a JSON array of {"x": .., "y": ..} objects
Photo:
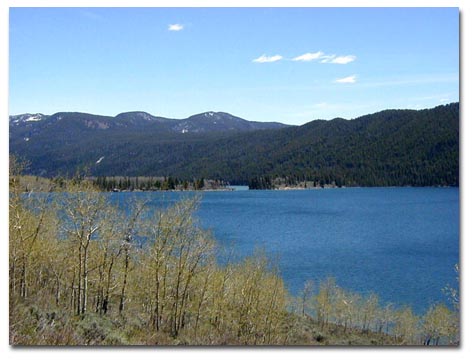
[
  {"x": 222, "y": 122},
  {"x": 27, "y": 125},
  {"x": 25, "y": 118},
  {"x": 388, "y": 148}
]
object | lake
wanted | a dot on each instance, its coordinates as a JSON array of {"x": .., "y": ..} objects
[{"x": 400, "y": 243}]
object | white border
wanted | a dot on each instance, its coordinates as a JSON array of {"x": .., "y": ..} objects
[{"x": 237, "y": 355}]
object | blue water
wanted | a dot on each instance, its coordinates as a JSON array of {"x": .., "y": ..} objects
[{"x": 400, "y": 243}]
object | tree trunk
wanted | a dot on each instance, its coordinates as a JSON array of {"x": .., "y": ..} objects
[
  {"x": 79, "y": 283},
  {"x": 124, "y": 283},
  {"x": 23, "y": 279},
  {"x": 84, "y": 282},
  {"x": 201, "y": 300},
  {"x": 156, "y": 311},
  {"x": 105, "y": 302}
]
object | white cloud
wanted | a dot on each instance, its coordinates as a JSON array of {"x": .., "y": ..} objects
[
  {"x": 175, "y": 27},
  {"x": 343, "y": 59},
  {"x": 267, "y": 59},
  {"x": 349, "y": 79},
  {"x": 328, "y": 58},
  {"x": 325, "y": 58},
  {"x": 309, "y": 56}
]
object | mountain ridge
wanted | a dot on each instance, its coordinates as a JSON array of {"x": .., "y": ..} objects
[
  {"x": 203, "y": 122},
  {"x": 386, "y": 148}
]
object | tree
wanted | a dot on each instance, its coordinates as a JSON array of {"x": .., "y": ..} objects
[
  {"x": 87, "y": 215},
  {"x": 178, "y": 252},
  {"x": 28, "y": 226},
  {"x": 385, "y": 316},
  {"x": 453, "y": 298},
  {"x": 438, "y": 322},
  {"x": 325, "y": 300},
  {"x": 308, "y": 291},
  {"x": 406, "y": 328},
  {"x": 131, "y": 227},
  {"x": 369, "y": 309},
  {"x": 345, "y": 306}
]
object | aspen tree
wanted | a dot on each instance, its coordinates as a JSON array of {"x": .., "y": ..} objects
[
  {"x": 306, "y": 294},
  {"x": 406, "y": 327},
  {"x": 85, "y": 210},
  {"x": 369, "y": 311},
  {"x": 324, "y": 300},
  {"x": 384, "y": 317},
  {"x": 125, "y": 249},
  {"x": 438, "y": 323},
  {"x": 26, "y": 225},
  {"x": 452, "y": 294}
]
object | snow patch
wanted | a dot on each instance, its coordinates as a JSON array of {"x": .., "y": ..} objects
[
  {"x": 34, "y": 118},
  {"x": 145, "y": 116},
  {"x": 25, "y": 118}
]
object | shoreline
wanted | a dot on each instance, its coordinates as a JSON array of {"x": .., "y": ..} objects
[{"x": 283, "y": 189}]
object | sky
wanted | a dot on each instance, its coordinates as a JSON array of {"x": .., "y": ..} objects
[{"x": 291, "y": 65}]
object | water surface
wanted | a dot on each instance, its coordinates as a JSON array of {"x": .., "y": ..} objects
[{"x": 401, "y": 243}]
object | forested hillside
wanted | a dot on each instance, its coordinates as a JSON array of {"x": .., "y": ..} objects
[{"x": 388, "y": 148}]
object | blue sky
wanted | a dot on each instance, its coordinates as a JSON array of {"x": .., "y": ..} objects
[{"x": 291, "y": 65}]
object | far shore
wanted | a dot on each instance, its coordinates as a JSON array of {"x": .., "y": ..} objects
[{"x": 283, "y": 189}]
